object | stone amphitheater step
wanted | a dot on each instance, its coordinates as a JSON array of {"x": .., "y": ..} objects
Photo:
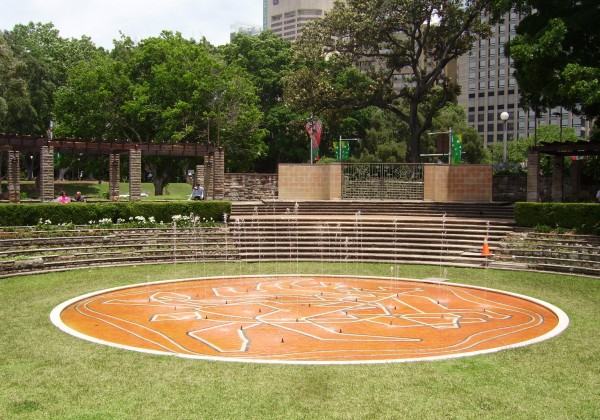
[
  {"x": 480, "y": 210},
  {"x": 369, "y": 238},
  {"x": 566, "y": 253}
]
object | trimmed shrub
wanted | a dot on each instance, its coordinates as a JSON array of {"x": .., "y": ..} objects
[
  {"x": 583, "y": 217},
  {"x": 82, "y": 213}
]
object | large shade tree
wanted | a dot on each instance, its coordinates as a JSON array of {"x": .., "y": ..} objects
[
  {"x": 43, "y": 58},
  {"x": 164, "y": 89},
  {"x": 267, "y": 58},
  {"x": 556, "y": 55},
  {"x": 353, "y": 56}
]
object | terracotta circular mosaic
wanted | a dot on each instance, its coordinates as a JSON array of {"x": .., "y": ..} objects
[{"x": 309, "y": 319}]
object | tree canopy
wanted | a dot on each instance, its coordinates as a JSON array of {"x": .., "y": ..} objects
[
  {"x": 164, "y": 89},
  {"x": 35, "y": 61},
  {"x": 391, "y": 54},
  {"x": 556, "y": 54}
]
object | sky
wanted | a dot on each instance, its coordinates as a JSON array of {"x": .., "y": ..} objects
[{"x": 102, "y": 20}]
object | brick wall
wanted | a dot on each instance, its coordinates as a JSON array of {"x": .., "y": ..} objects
[
  {"x": 310, "y": 182},
  {"x": 471, "y": 183}
]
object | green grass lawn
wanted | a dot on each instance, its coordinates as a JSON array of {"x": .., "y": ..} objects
[
  {"x": 96, "y": 191},
  {"x": 45, "y": 373}
]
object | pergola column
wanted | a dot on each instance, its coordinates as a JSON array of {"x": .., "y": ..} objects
[
  {"x": 533, "y": 168},
  {"x": 114, "y": 176},
  {"x": 135, "y": 175},
  {"x": 576, "y": 178},
  {"x": 14, "y": 189},
  {"x": 46, "y": 176},
  {"x": 199, "y": 175},
  {"x": 557, "y": 178},
  {"x": 208, "y": 177},
  {"x": 219, "y": 174}
]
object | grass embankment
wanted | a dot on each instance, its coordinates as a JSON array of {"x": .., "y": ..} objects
[{"x": 45, "y": 373}]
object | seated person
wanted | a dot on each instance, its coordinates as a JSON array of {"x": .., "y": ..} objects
[
  {"x": 197, "y": 193},
  {"x": 63, "y": 198},
  {"x": 78, "y": 198}
]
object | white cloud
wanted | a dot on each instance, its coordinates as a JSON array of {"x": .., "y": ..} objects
[{"x": 103, "y": 19}]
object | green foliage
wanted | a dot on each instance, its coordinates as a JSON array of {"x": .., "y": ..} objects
[
  {"x": 584, "y": 217},
  {"x": 266, "y": 59},
  {"x": 37, "y": 64},
  {"x": 82, "y": 213},
  {"x": 555, "y": 55},
  {"x": 454, "y": 116},
  {"x": 386, "y": 39},
  {"x": 164, "y": 89}
]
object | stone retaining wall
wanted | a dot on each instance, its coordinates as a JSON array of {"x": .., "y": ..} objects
[{"x": 251, "y": 187}]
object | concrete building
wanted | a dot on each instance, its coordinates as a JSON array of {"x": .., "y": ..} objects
[
  {"x": 489, "y": 88},
  {"x": 287, "y": 17},
  {"x": 245, "y": 29}
]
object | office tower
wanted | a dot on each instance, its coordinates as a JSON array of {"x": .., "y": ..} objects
[
  {"x": 244, "y": 29},
  {"x": 287, "y": 17},
  {"x": 489, "y": 88}
]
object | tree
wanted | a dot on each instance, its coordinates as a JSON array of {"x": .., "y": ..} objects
[
  {"x": 45, "y": 59},
  {"x": 411, "y": 41},
  {"x": 555, "y": 55},
  {"x": 164, "y": 89},
  {"x": 267, "y": 58},
  {"x": 454, "y": 116}
]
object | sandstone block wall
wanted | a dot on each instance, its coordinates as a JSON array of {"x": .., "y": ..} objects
[
  {"x": 310, "y": 182},
  {"x": 471, "y": 183}
]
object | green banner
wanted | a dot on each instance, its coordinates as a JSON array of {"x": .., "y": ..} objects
[
  {"x": 456, "y": 152},
  {"x": 342, "y": 152}
]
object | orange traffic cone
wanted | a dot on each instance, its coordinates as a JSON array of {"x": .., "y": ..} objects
[{"x": 486, "y": 248}]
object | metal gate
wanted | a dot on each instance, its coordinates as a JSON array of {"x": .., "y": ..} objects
[{"x": 382, "y": 181}]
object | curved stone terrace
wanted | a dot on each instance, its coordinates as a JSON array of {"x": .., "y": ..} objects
[{"x": 285, "y": 232}]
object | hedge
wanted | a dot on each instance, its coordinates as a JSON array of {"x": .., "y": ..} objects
[
  {"x": 82, "y": 213},
  {"x": 583, "y": 217}
]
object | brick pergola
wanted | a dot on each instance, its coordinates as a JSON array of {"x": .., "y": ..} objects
[
  {"x": 210, "y": 175},
  {"x": 559, "y": 151}
]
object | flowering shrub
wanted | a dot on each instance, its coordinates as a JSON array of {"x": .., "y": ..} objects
[{"x": 47, "y": 225}]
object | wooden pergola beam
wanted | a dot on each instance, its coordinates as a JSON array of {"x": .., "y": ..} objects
[{"x": 93, "y": 147}]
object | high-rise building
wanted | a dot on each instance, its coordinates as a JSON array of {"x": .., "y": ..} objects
[
  {"x": 244, "y": 29},
  {"x": 285, "y": 18},
  {"x": 489, "y": 88}
]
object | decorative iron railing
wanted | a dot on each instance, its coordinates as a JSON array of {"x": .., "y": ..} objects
[{"x": 382, "y": 181}]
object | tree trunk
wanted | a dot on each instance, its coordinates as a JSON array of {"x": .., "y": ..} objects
[{"x": 158, "y": 182}]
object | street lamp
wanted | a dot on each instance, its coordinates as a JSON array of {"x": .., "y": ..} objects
[
  {"x": 504, "y": 116},
  {"x": 560, "y": 114}
]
